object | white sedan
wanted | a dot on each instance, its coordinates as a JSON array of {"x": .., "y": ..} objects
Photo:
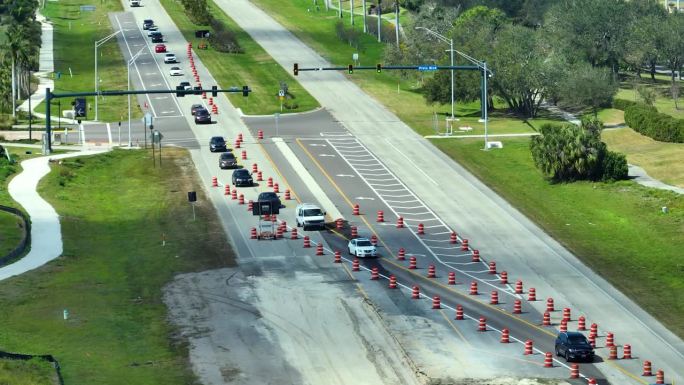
[
  {"x": 176, "y": 71},
  {"x": 362, "y": 247}
]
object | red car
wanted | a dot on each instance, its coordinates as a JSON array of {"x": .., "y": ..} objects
[{"x": 160, "y": 48}]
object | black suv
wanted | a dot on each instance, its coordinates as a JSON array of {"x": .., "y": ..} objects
[
  {"x": 574, "y": 345},
  {"x": 217, "y": 143},
  {"x": 147, "y": 23},
  {"x": 157, "y": 37},
  {"x": 242, "y": 177},
  {"x": 202, "y": 116}
]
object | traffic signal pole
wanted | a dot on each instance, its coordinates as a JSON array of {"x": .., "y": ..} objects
[{"x": 179, "y": 92}]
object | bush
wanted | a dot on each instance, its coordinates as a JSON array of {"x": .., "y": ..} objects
[
  {"x": 222, "y": 39},
  {"x": 622, "y": 104},
  {"x": 614, "y": 166},
  {"x": 647, "y": 121}
]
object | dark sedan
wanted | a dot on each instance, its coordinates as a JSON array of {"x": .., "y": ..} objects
[
  {"x": 574, "y": 346},
  {"x": 217, "y": 144},
  {"x": 227, "y": 160},
  {"x": 242, "y": 177},
  {"x": 270, "y": 196},
  {"x": 195, "y": 108},
  {"x": 202, "y": 116}
]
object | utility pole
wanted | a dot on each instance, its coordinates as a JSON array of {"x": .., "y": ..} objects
[
  {"x": 396, "y": 23},
  {"x": 379, "y": 11},
  {"x": 97, "y": 80},
  {"x": 351, "y": 9}
]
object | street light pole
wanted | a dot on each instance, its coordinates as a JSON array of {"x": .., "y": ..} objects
[
  {"x": 97, "y": 44},
  {"x": 131, "y": 61},
  {"x": 451, "y": 51}
]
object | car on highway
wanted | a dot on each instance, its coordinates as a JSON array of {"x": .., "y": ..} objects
[
  {"x": 242, "y": 177},
  {"x": 202, "y": 116},
  {"x": 170, "y": 58},
  {"x": 227, "y": 160},
  {"x": 176, "y": 71},
  {"x": 308, "y": 216},
  {"x": 271, "y": 197},
  {"x": 574, "y": 346},
  {"x": 157, "y": 37},
  {"x": 186, "y": 85},
  {"x": 217, "y": 144},
  {"x": 362, "y": 247},
  {"x": 147, "y": 23},
  {"x": 160, "y": 48},
  {"x": 196, "y": 107},
  {"x": 151, "y": 30}
]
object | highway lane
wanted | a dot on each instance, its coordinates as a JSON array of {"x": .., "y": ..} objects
[
  {"x": 318, "y": 152},
  {"x": 466, "y": 204}
]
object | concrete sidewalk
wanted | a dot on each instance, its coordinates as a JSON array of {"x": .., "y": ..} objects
[{"x": 46, "y": 233}]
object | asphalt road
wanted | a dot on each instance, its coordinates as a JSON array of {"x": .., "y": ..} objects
[
  {"x": 461, "y": 202},
  {"x": 466, "y": 205},
  {"x": 348, "y": 173}
]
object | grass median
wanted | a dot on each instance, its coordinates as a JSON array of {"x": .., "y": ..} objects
[
  {"x": 114, "y": 209},
  {"x": 254, "y": 67},
  {"x": 32, "y": 372},
  {"x": 617, "y": 229},
  {"x": 75, "y": 33}
]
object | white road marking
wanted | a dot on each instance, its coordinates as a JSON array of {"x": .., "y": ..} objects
[
  {"x": 109, "y": 134},
  {"x": 408, "y": 213},
  {"x": 150, "y": 73},
  {"x": 345, "y": 175},
  {"x": 168, "y": 112},
  {"x": 155, "y": 85},
  {"x": 364, "y": 198},
  {"x": 318, "y": 145},
  {"x": 161, "y": 97},
  {"x": 411, "y": 162},
  {"x": 328, "y": 155}
]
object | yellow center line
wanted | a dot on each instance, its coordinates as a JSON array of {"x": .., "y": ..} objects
[
  {"x": 456, "y": 329},
  {"x": 431, "y": 280}
]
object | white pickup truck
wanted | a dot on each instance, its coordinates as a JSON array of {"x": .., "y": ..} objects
[
  {"x": 133, "y": 3},
  {"x": 309, "y": 215}
]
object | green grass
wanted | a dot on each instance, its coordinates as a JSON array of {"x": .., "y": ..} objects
[
  {"x": 10, "y": 232},
  {"x": 605, "y": 224},
  {"x": 31, "y": 372},
  {"x": 75, "y": 34},
  {"x": 402, "y": 97},
  {"x": 113, "y": 268},
  {"x": 663, "y": 102},
  {"x": 254, "y": 68},
  {"x": 661, "y": 160}
]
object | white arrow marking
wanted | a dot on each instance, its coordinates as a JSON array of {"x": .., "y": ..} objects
[
  {"x": 317, "y": 145},
  {"x": 162, "y": 97},
  {"x": 364, "y": 198},
  {"x": 167, "y": 112},
  {"x": 155, "y": 84},
  {"x": 345, "y": 175},
  {"x": 330, "y": 155}
]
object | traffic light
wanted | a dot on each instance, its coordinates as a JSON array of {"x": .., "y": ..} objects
[
  {"x": 245, "y": 90},
  {"x": 350, "y": 68},
  {"x": 214, "y": 91},
  {"x": 378, "y": 68},
  {"x": 180, "y": 91},
  {"x": 296, "y": 69}
]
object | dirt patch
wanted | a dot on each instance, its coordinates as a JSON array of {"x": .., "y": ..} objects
[{"x": 299, "y": 329}]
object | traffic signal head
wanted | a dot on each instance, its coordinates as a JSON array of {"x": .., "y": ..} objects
[
  {"x": 350, "y": 68},
  {"x": 180, "y": 91},
  {"x": 214, "y": 91},
  {"x": 296, "y": 69},
  {"x": 378, "y": 68},
  {"x": 245, "y": 90}
]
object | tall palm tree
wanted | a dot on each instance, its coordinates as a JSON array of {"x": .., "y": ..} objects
[{"x": 19, "y": 48}]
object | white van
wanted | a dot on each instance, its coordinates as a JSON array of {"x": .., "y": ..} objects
[{"x": 309, "y": 215}]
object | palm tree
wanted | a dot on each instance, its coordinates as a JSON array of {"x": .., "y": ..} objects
[{"x": 19, "y": 47}]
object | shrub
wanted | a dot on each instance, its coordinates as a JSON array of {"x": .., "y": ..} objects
[
  {"x": 614, "y": 166},
  {"x": 647, "y": 121},
  {"x": 223, "y": 39},
  {"x": 622, "y": 104}
]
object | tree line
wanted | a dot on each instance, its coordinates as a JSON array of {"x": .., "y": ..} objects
[
  {"x": 569, "y": 51},
  {"x": 19, "y": 50}
]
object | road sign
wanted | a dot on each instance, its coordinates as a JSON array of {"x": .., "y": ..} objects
[
  {"x": 148, "y": 119},
  {"x": 427, "y": 68},
  {"x": 156, "y": 136},
  {"x": 355, "y": 57},
  {"x": 281, "y": 93}
]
